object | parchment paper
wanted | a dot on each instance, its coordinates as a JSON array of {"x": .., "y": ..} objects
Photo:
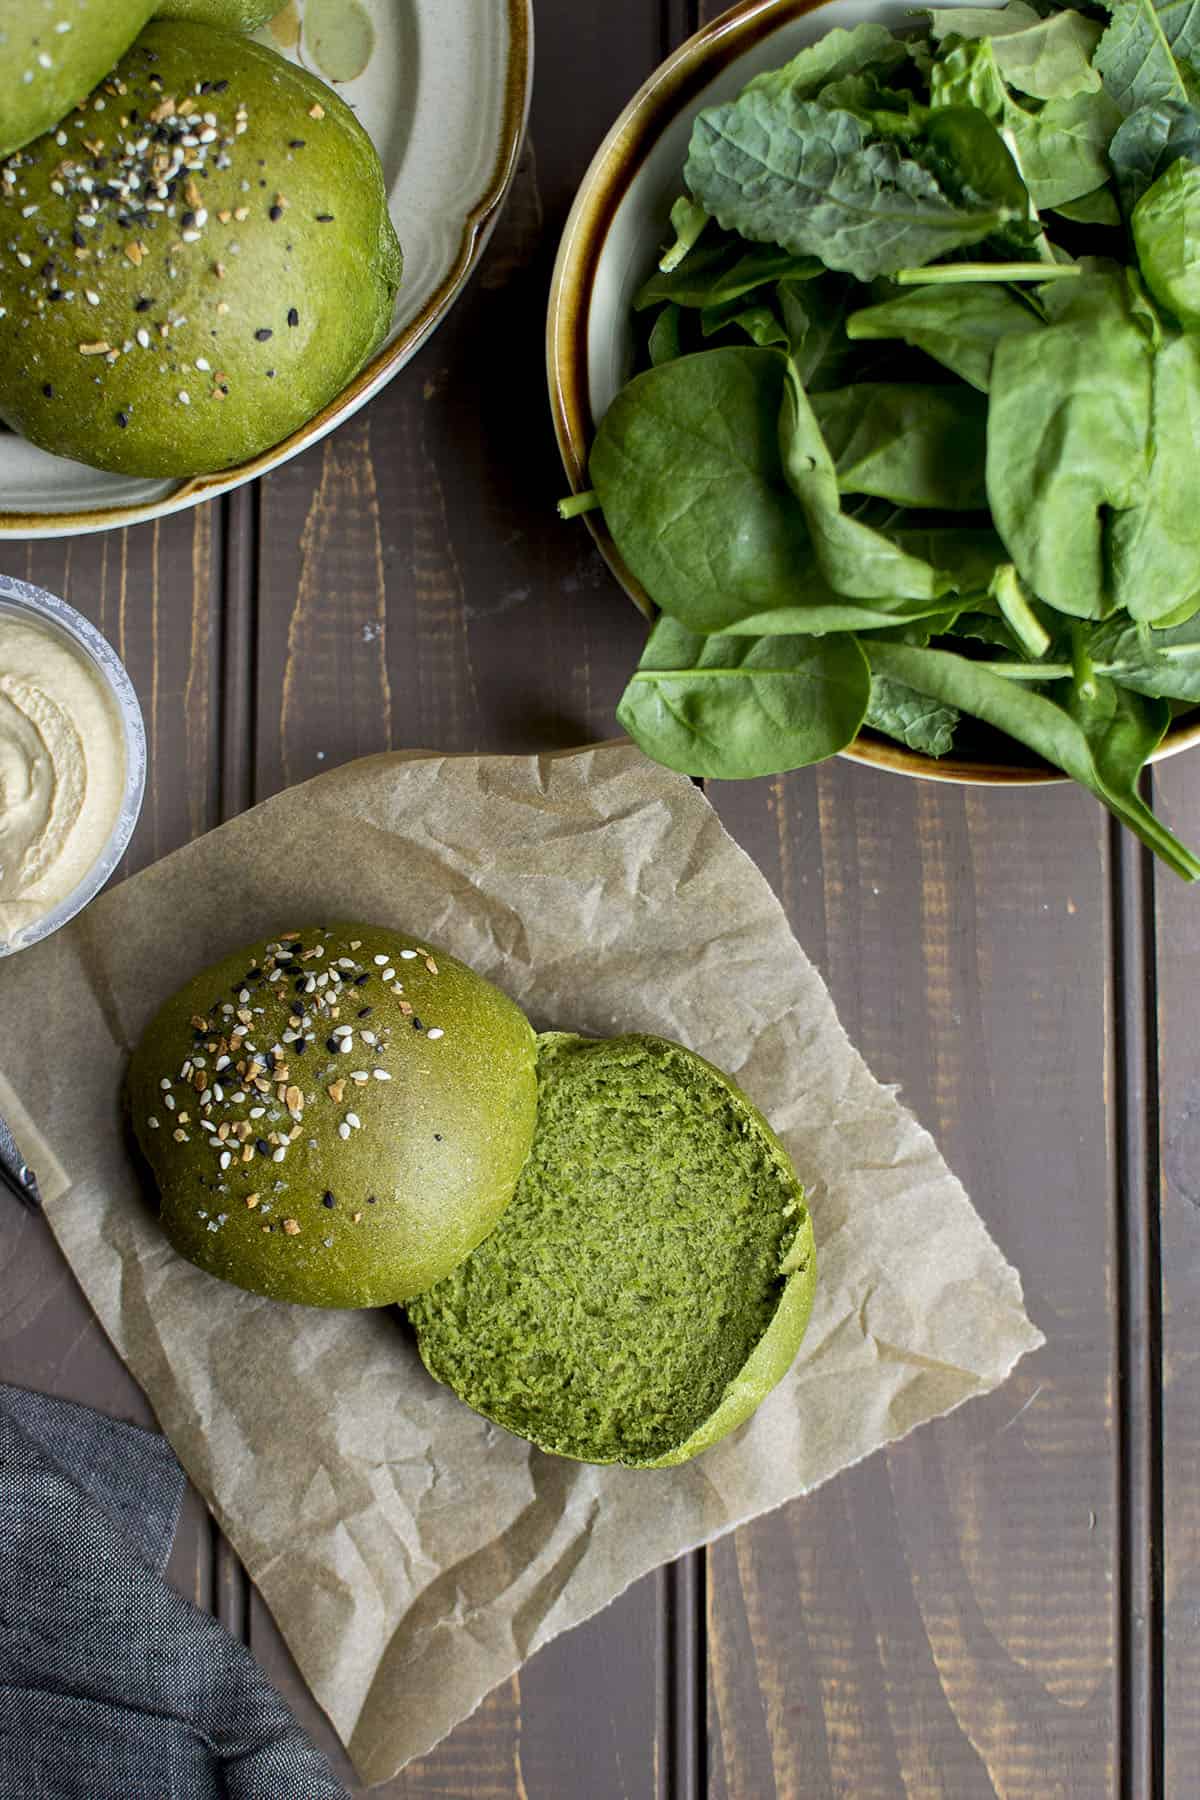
[{"x": 412, "y": 1554}]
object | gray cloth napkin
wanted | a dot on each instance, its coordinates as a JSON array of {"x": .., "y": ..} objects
[{"x": 112, "y": 1685}]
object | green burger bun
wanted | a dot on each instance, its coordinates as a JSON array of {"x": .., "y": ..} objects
[
  {"x": 336, "y": 1116},
  {"x": 651, "y": 1280},
  {"x": 52, "y": 52},
  {"x": 194, "y": 263}
]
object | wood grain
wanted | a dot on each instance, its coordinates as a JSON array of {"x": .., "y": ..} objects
[
  {"x": 941, "y": 1622},
  {"x": 1177, "y": 958}
]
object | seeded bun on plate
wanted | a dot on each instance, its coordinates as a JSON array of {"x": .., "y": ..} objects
[
  {"x": 336, "y": 1116},
  {"x": 51, "y": 52},
  {"x": 653, "y": 1277},
  {"x": 194, "y": 263}
]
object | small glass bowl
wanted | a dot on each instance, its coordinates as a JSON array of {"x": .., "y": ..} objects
[{"x": 19, "y": 599}]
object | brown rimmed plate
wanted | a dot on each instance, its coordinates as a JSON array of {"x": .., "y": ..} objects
[
  {"x": 444, "y": 94},
  {"x": 610, "y": 244}
]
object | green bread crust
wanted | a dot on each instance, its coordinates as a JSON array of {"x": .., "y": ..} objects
[
  {"x": 230, "y": 15},
  {"x": 150, "y": 329},
  {"x": 52, "y": 52},
  {"x": 653, "y": 1277},
  {"x": 386, "y": 1184}
]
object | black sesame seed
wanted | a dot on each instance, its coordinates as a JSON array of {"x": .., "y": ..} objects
[
  {"x": 275, "y": 213},
  {"x": 55, "y": 293},
  {"x": 218, "y": 87},
  {"x": 262, "y": 334},
  {"x": 417, "y": 1025},
  {"x": 437, "y": 1137},
  {"x": 270, "y": 1060},
  {"x": 188, "y": 220},
  {"x": 122, "y": 420},
  {"x": 48, "y": 390},
  {"x": 270, "y": 374},
  {"x": 295, "y": 143},
  {"x": 364, "y": 1012},
  {"x": 327, "y": 1199},
  {"x": 78, "y": 239},
  {"x": 300, "y": 1046},
  {"x": 324, "y": 218},
  {"x": 262, "y": 1146},
  {"x": 361, "y": 980},
  {"x": 331, "y": 1044},
  {"x": 370, "y": 1199},
  {"x": 293, "y": 317},
  {"x": 143, "y": 304},
  {"x": 253, "y": 974}
]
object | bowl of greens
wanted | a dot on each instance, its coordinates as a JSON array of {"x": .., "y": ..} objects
[{"x": 874, "y": 360}]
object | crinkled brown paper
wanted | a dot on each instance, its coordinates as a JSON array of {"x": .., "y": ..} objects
[{"x": 412, "y": 1553}]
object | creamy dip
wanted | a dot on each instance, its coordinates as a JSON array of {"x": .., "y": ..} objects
[{"x": 62, "y": 770}]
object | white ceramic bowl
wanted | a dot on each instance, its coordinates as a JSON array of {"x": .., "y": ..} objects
[
  {"x": 20, "y": 600},
  {"x": 611, "y": 242},
  {"x": 444, "y": 97}
]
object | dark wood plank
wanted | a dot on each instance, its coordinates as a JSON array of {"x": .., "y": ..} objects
[
  {"x": 1178, "y": 980},
  {"x": 940, "y": 1621}
]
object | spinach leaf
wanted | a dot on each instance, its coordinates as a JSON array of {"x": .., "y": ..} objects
[
  {"x": 1101, "y": 743},
  {"x": 1097, "y": 208},
  {"x": 911, "y": 718},
  {"x": 917, "y": 445},
  {"x": 732, "y": 707},
  {"x": 721, "y": 270},
  {"x": 761, "y": 324},
  {"x": 1063, "y": 148},
  {"x": 666, "y": 336},
  {"x": 812, "y": 179},
  {"x": 1155, "y": 546},
  {"x": 688, "y": 222},
  {"x": 1165, "y": 664},
  {"x": 822, "y": 611},
  {"x": 959, "y": 327},
  {"x": 835, "y": 55},
  {"x": 1166, "y": 236},
  {"x": 1068, "y": 423},
  {"x": 856, "y": 560},
  {"x": 1049, "y": 58},
  {"x": 1059, "y": 148},
  {"x": 1148, "y": 52},
  {"x": 688, "y": 469},
  {"x": 1149, "y": 141}
]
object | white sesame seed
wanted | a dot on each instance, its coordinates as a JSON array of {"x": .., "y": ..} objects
[
  {"x": 381, "y": 1074},
  {"x": 408, "y": 955},
  {"x": 389, "y": 974},
  {"x": 256, "y": 1112},
  {"x": 46, "y": 61},
  {"x": 359, "y": 1075},
  {"x": 380, "y": 960},
  {"x": 165, "y": 1083},
  {"x": 343, "y": 1130},
  {"x": 346, "y": 1043},
  {"x": 437, "y": 1032},
  {"x": 279, "y": 1154},
  {"x": 354, "y": 1120},
  {"x": 222, "y": 1062},
  {"x": 143, "y": 337},
  {"x": 368, "y": 1037},
  {"x": 185, "y": 399},
  {"x": 169, "y": 1102},
  {"x": 152, "y": 1122},
  {"x": 226, "y": 1159}
]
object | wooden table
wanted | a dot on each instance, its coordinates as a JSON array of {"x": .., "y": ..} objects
[{"x": 1009, "y": 1602}]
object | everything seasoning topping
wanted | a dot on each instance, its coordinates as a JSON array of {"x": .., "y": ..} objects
[
  {"x": 132, "y": 183},
  {"x": 253, "y": 1102}
]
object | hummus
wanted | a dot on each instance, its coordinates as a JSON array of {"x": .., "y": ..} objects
[{"x": 62, "y": 770}]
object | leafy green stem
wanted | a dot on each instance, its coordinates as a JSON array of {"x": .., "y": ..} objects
[{"x": 949, "y": 274}]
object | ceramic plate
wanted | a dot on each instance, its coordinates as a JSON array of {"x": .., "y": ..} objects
[
  {"x": 610, "y": 245},
  {"x": 443, "y": 88}
]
